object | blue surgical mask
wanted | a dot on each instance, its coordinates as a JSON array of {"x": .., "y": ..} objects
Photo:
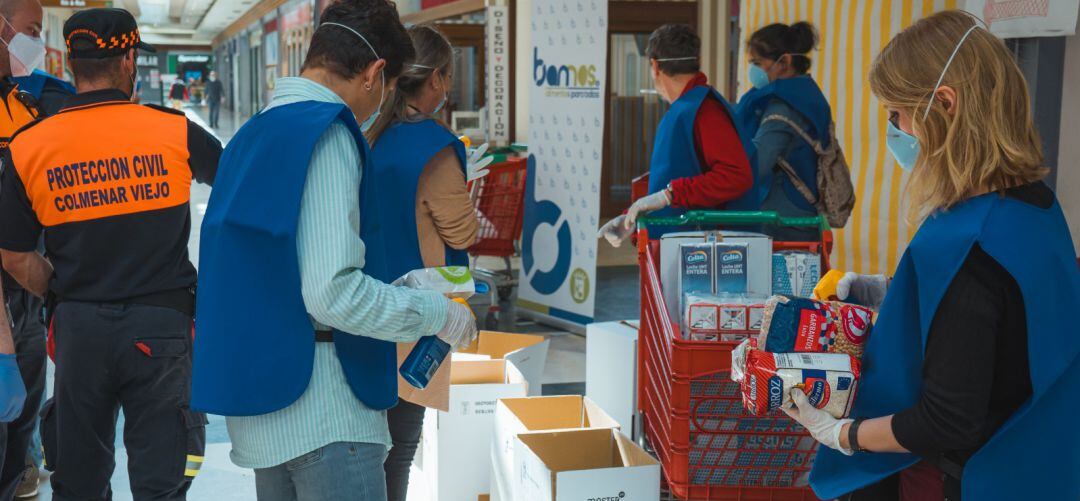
[
  {"x": 903, "y": 146},
  {"x": 758, "y": 77},
  {"x": 440, "y": 106}
]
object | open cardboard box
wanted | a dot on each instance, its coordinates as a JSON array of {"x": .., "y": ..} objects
[
  {"x": 456, "y": 444},
  {"x": 577, "y": 465},
  {"x": 527, "y": 352},
  {"x": 514, "y": 416}
]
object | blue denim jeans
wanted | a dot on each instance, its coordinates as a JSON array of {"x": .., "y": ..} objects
[{"x": 341, "y": 471}]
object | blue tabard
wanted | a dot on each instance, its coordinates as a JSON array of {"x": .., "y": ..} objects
[
  {"x": 254, "y": 340},
  {"x": 674, "y": 154},
  {"x": 399, "y": 157},
  {"x": 35, "y": 83},
  {"x": 1036, "y": 453},
  {"x": 804, "y": 96}
]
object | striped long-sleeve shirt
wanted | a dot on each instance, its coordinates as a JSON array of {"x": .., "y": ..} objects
[{"x": 337, "y": 294}]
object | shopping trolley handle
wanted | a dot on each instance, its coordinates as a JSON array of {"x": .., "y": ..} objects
[{"x": 706, "y": 217}]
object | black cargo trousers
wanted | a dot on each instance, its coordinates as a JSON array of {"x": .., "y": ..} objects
[
  {"x": 28, "y": 333},
  {"x": 112, "y": 356}
]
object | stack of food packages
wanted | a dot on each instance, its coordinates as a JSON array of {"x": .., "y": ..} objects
[{"x": 802, "y": 343}]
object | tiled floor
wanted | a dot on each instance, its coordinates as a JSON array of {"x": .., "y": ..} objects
[{"x": 220, "y": 480}]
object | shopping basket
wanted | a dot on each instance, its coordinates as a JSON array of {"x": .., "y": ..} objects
[
  {"x": 709, "y": 447},
  {"x": 500, "y": 205}
]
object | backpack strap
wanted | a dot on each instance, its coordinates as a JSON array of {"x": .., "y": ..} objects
[{"x": 796, "y": 181}]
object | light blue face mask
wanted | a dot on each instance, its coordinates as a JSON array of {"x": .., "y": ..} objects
[
  {"x": 903, "y": 146},
  {"x": 382, "y": 74},
  {"x": 758, "y": 77}
]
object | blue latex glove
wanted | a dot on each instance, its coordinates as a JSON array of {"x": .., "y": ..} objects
[{"x": 12, "y": 389}]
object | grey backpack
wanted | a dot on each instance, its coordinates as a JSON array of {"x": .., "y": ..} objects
[{"x": 836, "y": 194}]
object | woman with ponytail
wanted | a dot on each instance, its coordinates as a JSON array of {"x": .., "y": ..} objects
[
  {"x": 426, "y": 217},
  {"x": 783, "y": 96}
]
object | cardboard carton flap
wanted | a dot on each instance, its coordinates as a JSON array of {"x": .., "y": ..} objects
[
  {"x": 558, "y": 412},
  {"x": 499, "y": 344},
  {"x": 585, "y": 450},
  {"x": 477, "y": 371}
]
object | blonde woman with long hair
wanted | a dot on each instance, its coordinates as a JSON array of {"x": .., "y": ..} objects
[{"x": 970, "y": 374}]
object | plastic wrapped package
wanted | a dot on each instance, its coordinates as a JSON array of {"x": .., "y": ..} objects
[
  {"x": 793, "y": 324},
  {"x": 722, "y": 317},
  {"x": 766, "y": 379},
  {"x": 451, "y": 281}
]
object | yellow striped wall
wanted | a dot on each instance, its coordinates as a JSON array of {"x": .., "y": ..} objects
[{"x": 852, "y": 33}]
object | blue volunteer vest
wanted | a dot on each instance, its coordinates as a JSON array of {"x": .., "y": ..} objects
[
  {"x": 254, "y": 341},
  {"x": 1036, "y": 453},
  {"x": 399, "y": 157},
  {"x": 35, "y": 83},
  {"x": 802, "y": 94},
  {"x": 674, "y": 154}
]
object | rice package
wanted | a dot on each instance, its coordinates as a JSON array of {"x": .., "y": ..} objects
[
  {"x": 794, "y": 324},
  {"x": 829, "y": 380},
  {"x": 722, "y": 317}
]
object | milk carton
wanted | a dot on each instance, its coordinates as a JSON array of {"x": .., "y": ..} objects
[
  {"x": 697, "y": 267},
  {"x": 731, "y": 259}
]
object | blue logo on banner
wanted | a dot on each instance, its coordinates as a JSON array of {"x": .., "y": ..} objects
[{"x": 539, "y": 212}]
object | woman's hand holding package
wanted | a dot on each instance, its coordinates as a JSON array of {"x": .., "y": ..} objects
[
  {"x": 867, "y": 290},
  {"x": 645, "y": 205},
  {"x": 459, "y": 331},
  {"x": 615, "y": 231},
  {"x": 823, "y": 427}
]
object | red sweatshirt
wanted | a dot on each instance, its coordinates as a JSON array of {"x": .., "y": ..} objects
[{"x": 725, "y": 169}]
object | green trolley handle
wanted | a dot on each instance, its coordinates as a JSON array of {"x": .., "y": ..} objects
[{"x": 705, "y": 217}]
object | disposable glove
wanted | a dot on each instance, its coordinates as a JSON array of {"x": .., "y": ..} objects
[
  {"x": 459, "y": 331},
  {"x": 12, "y": 389},
  {"x": 477, "y": 163},
  {"x": 867, "y": 290},
  {"x": 615, "y": 231},
  {"x": 823, "y": 427},
  {"x": 645, "y": 205}
]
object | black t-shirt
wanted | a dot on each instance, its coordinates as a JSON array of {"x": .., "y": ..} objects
[
  {"x": 123, "y": 251},
  {"x": 975, "y": 369}
]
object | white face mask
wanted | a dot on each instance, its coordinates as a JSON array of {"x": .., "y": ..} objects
[
  {"x": 367, "y": 123},
  {"x": 25, "y": 52}
]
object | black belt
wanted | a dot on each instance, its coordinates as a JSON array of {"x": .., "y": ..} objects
[
  {"x": 324, "y": 336},
  {"x": 182, "y": 300}
]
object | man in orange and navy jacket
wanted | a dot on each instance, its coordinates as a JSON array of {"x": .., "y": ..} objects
[{"x": 108, "y": 183}]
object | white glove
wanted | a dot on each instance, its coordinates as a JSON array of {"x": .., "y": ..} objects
[
  {"x": 823, "y": 427},
  {"x": 867, "y": 290},
  {"x": 459, "y": 331},
  {"x": 647, "y": 204},
  {"x": 477, "y": 163},
  {"x": 615, "y": 231}
]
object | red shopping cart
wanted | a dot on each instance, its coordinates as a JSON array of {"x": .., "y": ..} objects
[
  {"x": 500, "y": 202},
  {"x": 709, "y": 447}
]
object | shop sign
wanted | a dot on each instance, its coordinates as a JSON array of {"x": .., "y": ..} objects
[
  {"x": 192, "y": 58},
  {"x": 566, "y": 136},
  {"x": 497, "y": 42},
  {"x": 77, "y": 4},
  {"x": 147, "y": 60}
]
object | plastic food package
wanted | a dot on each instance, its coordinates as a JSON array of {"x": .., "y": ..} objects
[
  {"x": 723, "y": 317},
  {"x": 795, "y": 273},
  {"x": 793, "y": 324},
  {"x": 829, "y": 380},
  {"x": 451, "y": 281}
]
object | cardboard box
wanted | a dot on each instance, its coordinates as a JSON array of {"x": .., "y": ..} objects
[
  {"x": 527, "y": 352},
  {"x": 515, "y": 416},
  {"x": 795, "y": 273},
  {"x": 580, "y": 465},
  {"x": 457, "y": 444},
  {"x": 758, "y": 263},
  {"x": 611, "y": 351}
]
